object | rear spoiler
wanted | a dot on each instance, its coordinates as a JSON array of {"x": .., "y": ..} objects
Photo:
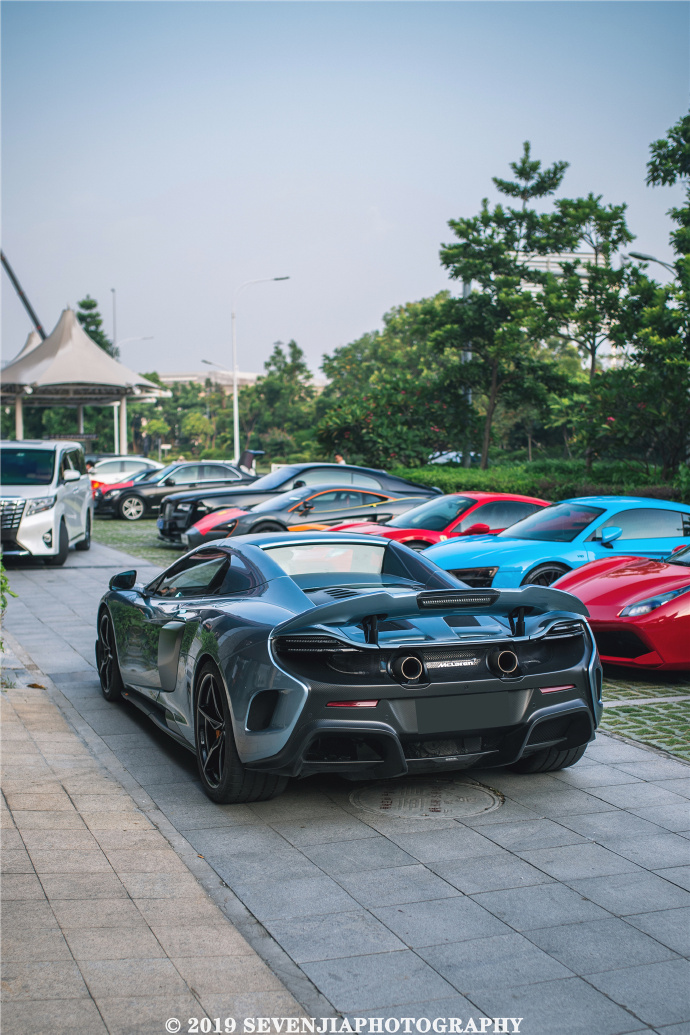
[{"x": 532, "y": 599}]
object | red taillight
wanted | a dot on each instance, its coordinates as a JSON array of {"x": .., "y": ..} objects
[
  {"x": 554, "y": 689},
  {"x": 352, "y": 704}
]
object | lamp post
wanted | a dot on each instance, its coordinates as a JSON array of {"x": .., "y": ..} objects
[
  {"x": 122, "y": 341},
  {"x": 235, "y": 399},
  {"x": 650, "y": 258}
]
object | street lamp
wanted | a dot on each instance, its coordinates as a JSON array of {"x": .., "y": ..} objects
[
  {"x": 146, "y": 337},
  {"x": 650, "y": 258},
  {"x": 235, "y": 400}
]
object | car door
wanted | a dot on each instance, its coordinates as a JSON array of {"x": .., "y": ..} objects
[
  {"x": 70, "y": 495},
  {"x": 318, "y": 510},
  {"x": 216, "y": 476},
  {"x": 180, "y": 480},
  {"x": 646, "y": 531},
  {"x": 159, "y": 617}
]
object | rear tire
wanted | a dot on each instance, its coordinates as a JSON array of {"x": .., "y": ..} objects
[
  {"x": 222, "y": 774},
  {"x": 416, "y": 544},
  {"x": 549, "y": 760},
  {"x": 268, "y": 526},
  {"x": 85, "y": 543},
  {"x": 132, "y": 508},
  {"x": 106, "y": 659},
  {"x": 544, "y": 574},
  {"x": 58, "y": 559}
]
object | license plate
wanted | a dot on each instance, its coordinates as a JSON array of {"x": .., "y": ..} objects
[
  {"x": 160, "y": 523},
  {"x": 185, "y": 539}
]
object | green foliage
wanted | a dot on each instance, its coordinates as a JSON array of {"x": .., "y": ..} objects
[
  {"x": 5, "y": 592},
  {"x": 92, "y": 322}
]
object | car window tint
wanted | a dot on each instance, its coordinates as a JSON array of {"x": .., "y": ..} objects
[
  {"x": 328, "y": 500},
  {"x": 365, "y": 480},
  {"x": 198, "y": 575},
  {"x": 559, "y": 523},
  {"x": 319, "y": 475},
  {"x": 27, "y": 466},
  {"x": 77, "y": 460},
  {"x": 499, "y": 514},
  {"x": 216, "y": 472},
  {"x": 239, "y": 577},
  {"x": 435, "y": 515},
  {"x": 645, "y": 523},
  {"x": 186, "y": 475},
  {"x": 371, "y": 499}
]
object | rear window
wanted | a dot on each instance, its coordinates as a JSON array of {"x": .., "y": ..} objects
[
  {"x": 327, "y": 558},
  {"x": 27, "y": 466}
]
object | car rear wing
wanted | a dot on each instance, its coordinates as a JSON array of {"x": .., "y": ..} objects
[{"x": 512, "y": 603}]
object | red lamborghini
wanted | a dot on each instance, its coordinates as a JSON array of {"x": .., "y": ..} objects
[
  {"x": 460, "y": 513},
  {"x": 639, "y": 608}
]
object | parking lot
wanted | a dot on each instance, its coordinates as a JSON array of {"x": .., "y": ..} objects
[{"x": 536, "y": 896}]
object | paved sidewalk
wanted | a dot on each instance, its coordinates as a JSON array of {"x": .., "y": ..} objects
[
  {"x": 105, "y": 929},
  {"x": 569, "y": 905}
]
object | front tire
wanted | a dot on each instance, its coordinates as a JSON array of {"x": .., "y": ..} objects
[
  {"x": 223, "y": 776},
  {"x": 544, "y": 574},
  {"x": 60, "y": 557},
  {"x": 132, "y": 508},
  {"x": 85, "y": 543},
  {"x": 106, "y": 659},
  {"x": 416, "y": 544},
  {"x": 549, "y": 760},
  {"x": 268, "y": 526}
]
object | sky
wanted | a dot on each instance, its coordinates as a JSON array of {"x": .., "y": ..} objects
[{"x": 175, "y": 150}]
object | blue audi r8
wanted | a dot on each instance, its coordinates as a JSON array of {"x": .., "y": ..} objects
[
  {"x": 544, "y": 546},
  {"x": 287, "y": 654}
]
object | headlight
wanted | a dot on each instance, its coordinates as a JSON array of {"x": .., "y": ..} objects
[
  {"x": 184, "y": 506},
  {"x": 112, "y": 495},
  {"x": 37, "y": 505},
  {"x": 643, "y": 607}
]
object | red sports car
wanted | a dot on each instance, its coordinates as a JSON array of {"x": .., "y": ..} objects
[
  {"x": 460, "y": 513},
  {"x": 639, "y": 608}
]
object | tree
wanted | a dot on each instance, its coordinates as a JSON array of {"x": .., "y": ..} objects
[
  {"x": 503, "y": 323},
  {"x": 92, "y": 322},
  {"x": 277, "y": 413}
]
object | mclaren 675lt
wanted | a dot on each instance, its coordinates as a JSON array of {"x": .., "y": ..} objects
[{"x": 290, "y": 654}]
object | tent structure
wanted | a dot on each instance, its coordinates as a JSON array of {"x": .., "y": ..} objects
[{"x": 69, "y": 369}]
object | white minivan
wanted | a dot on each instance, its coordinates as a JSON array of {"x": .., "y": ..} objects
[{"x": 46, "y": 504}]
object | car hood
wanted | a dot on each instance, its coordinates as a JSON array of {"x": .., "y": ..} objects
[
  {"x": 28, "y": 492},
  {"x": 218, "y": 517},
  {"x": 474, "y": 550},
  {"x": 607, "y": 586}
]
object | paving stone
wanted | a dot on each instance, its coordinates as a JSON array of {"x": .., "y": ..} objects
[
  {"x": 320, "y": 830},
  {"x": 657, "y": 993},
  {"x": 541, "y": 833},
  {"x": 663, "y": 850},
  {"x": 132, "y": 977},
  {"x": 112, "y": 943},
  {"x": 500, "y": 961},
  {"x": 637, "y": 795},
  {"x": 16, "y": 861},
  {"x": 673, "y": 817},
  {"x": 577, "y": 861},
  {"x": 35, "y": 946},
  {"x": 369, "y": 982},
  {"x": 560, "y": 800},
  {"x": 371, "y": 853},
  {"x": 214, "y": 975},
  {"x": 270, "y": 900},
  {"x": 70, "y": 862},
  {"x": 138, "y": 1015},
  {"x": 82, "y": 885},
  {"x": 669, "y": 926},
  {"x": 580, "y": 1009},
  {"x": 331, "y": 936},
  {"x": 679, "y": 875},
  {"x": 53, "y": 1017},
  {"x": 492, "y": 873},
  {"x": 599, "y": 945},
  {"x": 27, "y": 979},
  {"x": 595, "y": 776},
  {"x": 162, "y": 885},
  {"x": 251, "y": 1004},
  {"x": 441, "y": 921},
  {"x": 608, "y": 828},
  {"x": 28, "y": 915},
  {"x": 395, "y": 886},
  {"x": 445, "y": 845},
  {"x": 95, "y": 912},
  {"x": 545, "y": 905},
  {"x": 145, "y": 860},
  {"x": 185, "y": 941},
  {"x": 629, "y": 893},
  {"x": 20, "y": 886},
  {"x": 80, "y": 839}
]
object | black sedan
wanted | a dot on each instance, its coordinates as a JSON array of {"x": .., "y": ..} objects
[
  {"x": 299, "y": 510},
  {"x": 283, "y": 655},
  {"x": 140, "y": 497},
  {"x": 182, "y": 510}
]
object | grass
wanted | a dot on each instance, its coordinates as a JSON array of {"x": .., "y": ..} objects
[{"x": 140, "y": 538}]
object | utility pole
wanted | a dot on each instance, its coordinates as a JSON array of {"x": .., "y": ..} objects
[{"x": 466, "y": 357}]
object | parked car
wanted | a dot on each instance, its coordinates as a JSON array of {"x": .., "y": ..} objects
[
  {"x": 182, "y": 510},
  {"x": 458, "y": 514},
  {"x": 46, "y": 504},
  {"x": 566, "y": 535},
  {"x": 115, "y": 470},
  {"x": 288, "y": 654},
  {"x": 639, "y": 608},
  {"x": 299, "y": 510},
  {"x": 141, "y": 496}
]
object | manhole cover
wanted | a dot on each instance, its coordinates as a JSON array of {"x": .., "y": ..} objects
[{"x": 454, "y": 799}]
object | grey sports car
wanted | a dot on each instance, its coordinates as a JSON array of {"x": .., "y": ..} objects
[{"x": 288, "y": 654}]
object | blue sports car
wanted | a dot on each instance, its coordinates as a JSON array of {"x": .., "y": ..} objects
[{"x": 539, "y": 549}]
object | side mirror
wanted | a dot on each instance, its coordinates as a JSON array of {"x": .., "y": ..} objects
[
  {"x": 298, "y": 484},
  {"x": 610, "y": 534},
  {"x": 125, "y": 580},
  {"x": 169, "y": 481},
  {"x": 306, "y": 507},
  {"x": 71, "y": 476},
  {"x": 479, "y": 529}
]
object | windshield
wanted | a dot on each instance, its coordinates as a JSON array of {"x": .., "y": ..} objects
[
  {"x": 285, "y": 499},
  {"x": 157, "y": 476},
  {"x": 276, "y": 479},
  {"x": 679, "y": 557},
  {"x": 322, "y": 558},
  {"x": 27, "y": 466},
  {"x": 557, "y": 524},
  {"x": 435, "y": 515}
]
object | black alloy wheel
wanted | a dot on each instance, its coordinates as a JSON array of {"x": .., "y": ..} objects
[
  {"x": 58, "y": 559},
  {"x": 132, "y": 507},
  {"x": 268, "y": 526},
  {"x": 223, "y": 776},
  {"x": 544, "y": 574},
  {"x": 85, "y": 543},
  {"x": 106, "y": 659}
]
